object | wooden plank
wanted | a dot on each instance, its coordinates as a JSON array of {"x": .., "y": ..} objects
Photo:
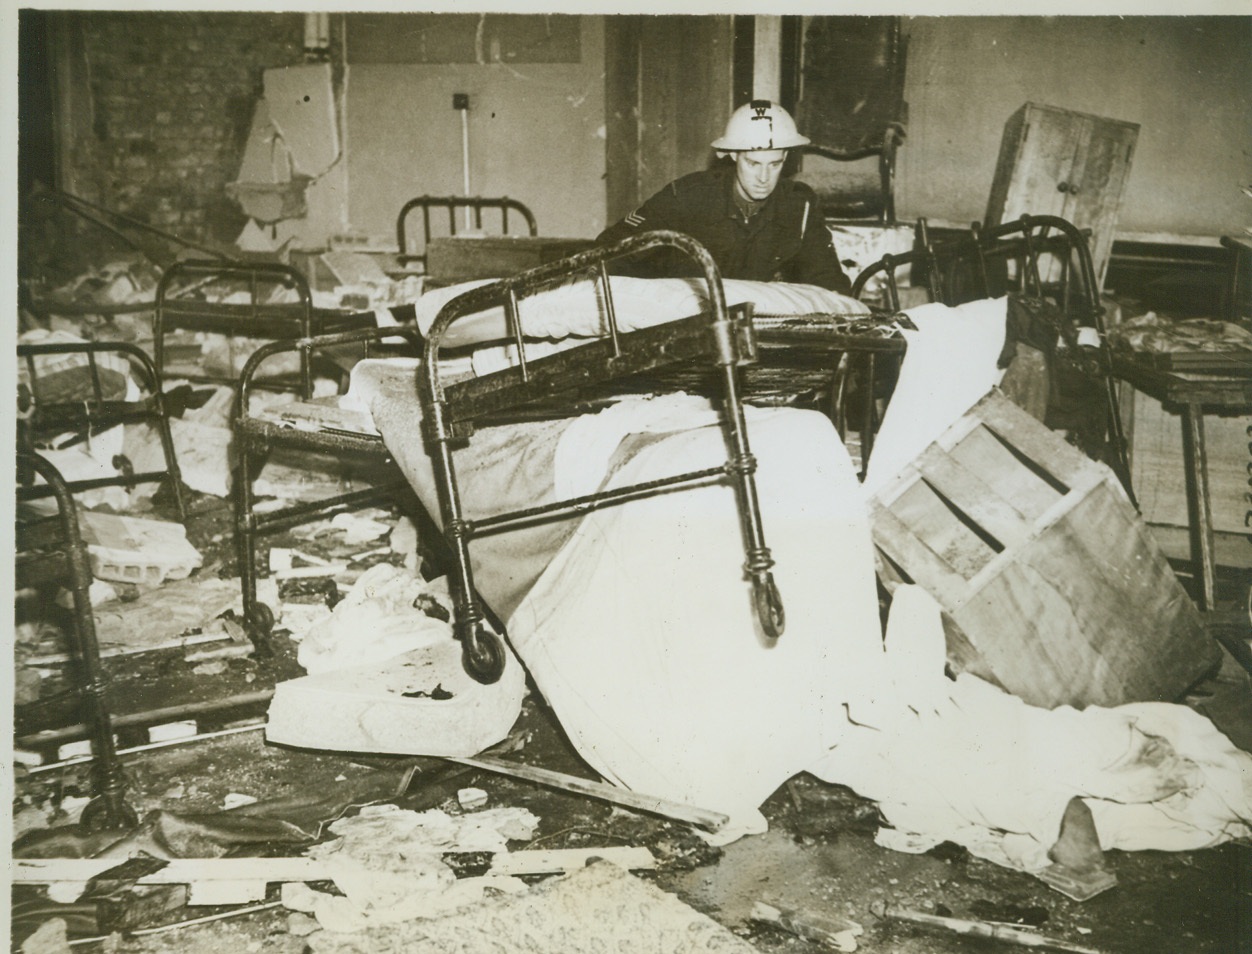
[
  {"x": 1140, "y": 622},
  {"x": 943, "y": 529},
  {"x": 967, "y": 490},
  {"x": 1088, "y": 613},
  {"x": 924, "y": 567},
  {"x": 712, "y": 821},
  {"x": 211, "y": 881},
  {"x": 552, "y": 861},
  {"x": 1031, "y": 494},
  {"x": 1016, "y": 621},
  {"x": 1042, "y": 446}
]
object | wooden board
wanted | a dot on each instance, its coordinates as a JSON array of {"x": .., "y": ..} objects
[
  {"x": 1158, "y": 469},
  {"x": 1050, "y": 582},
  {"x": 1199, "y": 362}
]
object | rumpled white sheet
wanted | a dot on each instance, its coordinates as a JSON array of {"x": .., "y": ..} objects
[
  {"x": 964, "y": 761},
  {"x": 641, "y": 633},
  {"x": 949, "y": 365}
]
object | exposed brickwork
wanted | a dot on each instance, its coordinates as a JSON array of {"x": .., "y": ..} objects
[{"x": 172, "y": 97}]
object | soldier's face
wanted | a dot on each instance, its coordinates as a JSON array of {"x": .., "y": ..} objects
[{"x": 757, "y": 172}]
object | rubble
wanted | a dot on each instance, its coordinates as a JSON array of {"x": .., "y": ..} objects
[{"x": 137, "y": 549}]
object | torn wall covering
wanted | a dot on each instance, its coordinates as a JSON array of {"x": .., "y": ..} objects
[{"x": 294, "y": 141}]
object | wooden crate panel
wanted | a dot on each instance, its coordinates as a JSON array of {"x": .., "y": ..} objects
[{"x": 1050, "y": 583}]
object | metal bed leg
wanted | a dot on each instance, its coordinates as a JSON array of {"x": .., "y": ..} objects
[
  {"x": 767, "y": 599},
  {"x": 1202, "y": 544},
  {"x": 171, "y": 460},
  {"x": 482, "y": 653},
  {"x": 109, "y": 808},
  {"x": 258, "y": 618}
]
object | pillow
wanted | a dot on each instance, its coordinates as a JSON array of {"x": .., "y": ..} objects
[{"x": 576, "y": 307}]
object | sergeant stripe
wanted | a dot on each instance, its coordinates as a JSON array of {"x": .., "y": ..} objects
[{"x": 634, "y": 219}]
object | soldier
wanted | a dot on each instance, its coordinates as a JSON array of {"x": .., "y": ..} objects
[{"x": 756, "y": 223}]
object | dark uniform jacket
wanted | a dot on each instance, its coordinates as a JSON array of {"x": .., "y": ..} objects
[{"x": 786, "y": 240}]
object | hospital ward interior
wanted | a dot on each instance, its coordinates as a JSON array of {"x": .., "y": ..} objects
[{"x": 585, "y": 481}]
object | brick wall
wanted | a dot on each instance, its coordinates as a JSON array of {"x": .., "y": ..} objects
[{"x": 171, "y": 99}]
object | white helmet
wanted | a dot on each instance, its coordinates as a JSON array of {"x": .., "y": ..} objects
[{"x": 760, "y": 124}]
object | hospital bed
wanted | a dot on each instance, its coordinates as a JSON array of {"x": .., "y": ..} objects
[{"x": 701, "y": 339}]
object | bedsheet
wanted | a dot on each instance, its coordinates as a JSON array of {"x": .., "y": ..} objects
[
  {"x": 636, "y": 620},
  {"x": 505, "y": 467},
  {"x": 635, "y": 623}
]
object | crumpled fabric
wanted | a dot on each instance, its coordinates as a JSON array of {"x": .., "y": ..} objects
[
  {"x": 949, "y": 365},
  {"x": 642, "y": 634},
  {"x": 964, "y": 761}
]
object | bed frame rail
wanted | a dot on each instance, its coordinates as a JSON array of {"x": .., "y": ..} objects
[{"x": 724, "y": 338}]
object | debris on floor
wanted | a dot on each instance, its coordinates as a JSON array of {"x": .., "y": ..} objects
[
  {"x": 600, "y": 907},
  {"x": 373, "y": 819},
  {"x": 137, "y": 549},
  {"x": 421, "y": 702}
]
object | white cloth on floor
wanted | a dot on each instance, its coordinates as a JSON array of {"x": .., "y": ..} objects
[
  {"x": 642, "y": 635},
  {"x": 965, "y": 762},
  {"x": 949, "y": 365}
]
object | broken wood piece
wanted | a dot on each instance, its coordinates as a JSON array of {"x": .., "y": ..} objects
[
  {"x": 228, "y": 650},
  {"x": 1079, "y": 884},
  {"x": 209, "y": 880},
  {"x": 564, "y": 860},
  {"x": 836, "y": 932},
  {"x": 1001, "y": 932},
  {"x": 1003, "y": 522},
  {"x": 1078, "y": 870},
  {"x": 703, "y": 818},
  {"x": 306, "y": 572}
]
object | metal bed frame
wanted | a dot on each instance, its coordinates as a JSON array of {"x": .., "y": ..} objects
[
  {"x": 39, "y": 416},
  {"x": 256, "y": 436},
  {"x": 256, "y": 319},
  {"x": 721, "y": 336},
  {"x": 722, "y": 345},
  {"x": 453, "y": 204},
  {"x": 1044, "y": 257},
  {"x": 51, "y": 550}
]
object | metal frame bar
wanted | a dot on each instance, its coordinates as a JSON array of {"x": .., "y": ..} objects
[
  {"x": 452, "y": 203},
  {"x": 448, "y": 415},
  {"x": 255, "y": 437},
  {"x": 97, "y": 414},
  {"x": 63, "y": 558},
  {"x": 255, "y": 319}
]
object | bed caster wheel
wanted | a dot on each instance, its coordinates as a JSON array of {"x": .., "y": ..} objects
[
  {"x": 482, "y": 655},
  {"x": 262, "y": 618},
  {"x": 769, "y": 606},
  {"x": 105, "y": 813},
  {"x": 259, "y": 624}
]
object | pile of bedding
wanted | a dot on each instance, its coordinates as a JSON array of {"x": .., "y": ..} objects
[{"x": 636, "y": 623}]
